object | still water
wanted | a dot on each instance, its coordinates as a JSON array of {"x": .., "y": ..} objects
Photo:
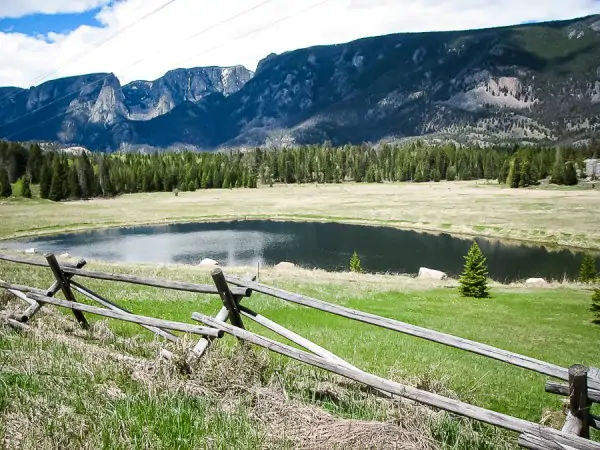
[{"x": 312, "y": 245}]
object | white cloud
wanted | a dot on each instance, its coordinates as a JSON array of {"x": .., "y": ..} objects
[
  {"x": 161, "y": 39},
  {"x": 20, "y": 8}
]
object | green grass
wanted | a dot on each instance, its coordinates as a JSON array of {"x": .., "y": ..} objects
[
  {"x": 61, "y": 382},
  {"x": 549, "y": 324},
  {"x": 66, "y": 405}
]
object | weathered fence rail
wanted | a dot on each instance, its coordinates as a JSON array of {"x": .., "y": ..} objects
[
  {"x": 72, "y": 269},
  {"x": 583, "y": 386},
  {"x": 412, "y": 393},
  {"x": 413, "y": 330}
]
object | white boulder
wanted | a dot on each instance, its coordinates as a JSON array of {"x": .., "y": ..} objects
[
  {"x": 536, "y": 281},
  {"x": 285, "y": 265},
  {"x": 65, "y": 255},
  {"x": 431, "y": 274},
  {"x": 207, "y": 262},
  {"x": 31, "y": 250}
]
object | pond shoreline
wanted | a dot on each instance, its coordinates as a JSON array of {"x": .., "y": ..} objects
[
  {"x": 314, "y": 243},
  {"x": 436, "y": 231}
]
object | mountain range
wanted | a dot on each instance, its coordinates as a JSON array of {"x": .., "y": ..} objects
[{"x": 536, "y": 83}]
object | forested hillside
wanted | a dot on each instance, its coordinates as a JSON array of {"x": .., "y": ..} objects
[{"x": 536, "y": 83}]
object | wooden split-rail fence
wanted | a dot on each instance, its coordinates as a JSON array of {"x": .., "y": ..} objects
[{"x": 579, "y": 383}]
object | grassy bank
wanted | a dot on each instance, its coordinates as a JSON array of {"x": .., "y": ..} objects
[
  {"x": 473, "y": 208},
  {"x": 551, "y": 324},
  {"x": 61, "y": 387}
]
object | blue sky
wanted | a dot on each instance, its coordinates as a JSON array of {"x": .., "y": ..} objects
[
  {"x": 45, "y": 39},
  {"x": 37, "y": 24}
]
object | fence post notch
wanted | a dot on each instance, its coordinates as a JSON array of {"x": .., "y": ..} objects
[{"x": 227, "y": 297}]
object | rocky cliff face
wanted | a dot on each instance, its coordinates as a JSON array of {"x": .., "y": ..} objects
[
  {"x": 96, "y": 111},
  {"x": 536, "y": 83},
  {"x": 148, "y": 99}
]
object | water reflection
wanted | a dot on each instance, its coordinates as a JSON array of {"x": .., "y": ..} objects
[{"x": 323, "y": 245}]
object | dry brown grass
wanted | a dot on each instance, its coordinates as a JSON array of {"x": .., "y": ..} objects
[{"x": 565, "y": 217}]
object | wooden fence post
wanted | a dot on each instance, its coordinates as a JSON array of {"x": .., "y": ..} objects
[
  {"x": 223, "y": 316},
  {"x": 228, "y": 299},
  {"x": 63, "y": 283},
  {"x": 578, "y": 419}
]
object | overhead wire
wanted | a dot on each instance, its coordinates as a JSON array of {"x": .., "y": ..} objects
[
  {"x": 92, "y": 48},
  {"x": 79, "y": 90},
  {"x": 244, "y": 35}
]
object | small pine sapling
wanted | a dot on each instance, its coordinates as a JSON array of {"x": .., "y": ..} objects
[
  {"x": 473, "y": 281},
  {"x": 587, "y": 271},
  {"x": 355, "y": 263}
]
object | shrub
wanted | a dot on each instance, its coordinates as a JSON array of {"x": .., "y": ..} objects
[
  {"x": 587, "y": 271},
  {"x": 451, "y": 173},
  {"x": 355, "y": 263},
  {"x": 473, "y": 281}
]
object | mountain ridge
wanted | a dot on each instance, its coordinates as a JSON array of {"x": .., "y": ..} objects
[{"x": 537, "y": 83}]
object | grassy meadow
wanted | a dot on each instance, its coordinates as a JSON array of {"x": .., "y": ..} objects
[
  {"x": 470, "y": 207},
  {"x": 551, "y": 323},
  {"x": 61, "y": 387}
]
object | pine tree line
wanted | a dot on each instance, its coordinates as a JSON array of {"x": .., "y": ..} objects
[
  {"x": 516, "y": 167},
  {"x": 63, "y": 176}
]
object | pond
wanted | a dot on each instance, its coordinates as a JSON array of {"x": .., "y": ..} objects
[{"x": 326, "y": 246}]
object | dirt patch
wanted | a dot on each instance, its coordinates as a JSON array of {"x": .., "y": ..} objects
[{"x": 309, "y": 427}]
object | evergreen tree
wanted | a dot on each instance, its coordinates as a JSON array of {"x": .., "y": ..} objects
[
  {"x": 26, "y": 187},
  {"x": 587, "y": 271},
  {"x": 65, "y": 179},
  {"x": 558, "y": 169},
  {"x": 595, "y": 308},
  {"x": 156, "y": 182},
  {"x": 106, "y": 183},
  {"x": 5, "y": 188},
  {"x": 524, "y": 180},
  {"x": 35, "y": 162},
  {"x": 87, "y": 177},
  {"x": 74, "y": 188},
  {"x": 514, "y": 174},
  {"x": 570, "y": 175},
  {"x": 45, "y": 181},
  {"x": 355, "y": 263},
  {"x": 503, "y": 174},
  {"x": 58, "y": 177},
  {"x": 473, "y": 281},
  {"x": 191, "y": 186}
]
